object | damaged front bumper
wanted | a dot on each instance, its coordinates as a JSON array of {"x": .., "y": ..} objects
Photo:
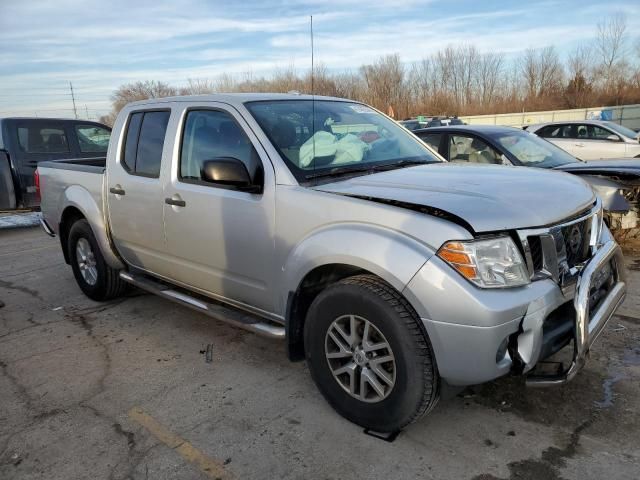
[
  {"x": 479, "y": 335},
  {"x": 590, "y": 320}
]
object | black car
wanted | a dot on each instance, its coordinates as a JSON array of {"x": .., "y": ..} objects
[
  {"x": 25, "y": 142},
  {"x": 616, "y": 181}
]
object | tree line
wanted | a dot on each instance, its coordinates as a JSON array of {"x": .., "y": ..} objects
[{"x": 457, "y": 80}]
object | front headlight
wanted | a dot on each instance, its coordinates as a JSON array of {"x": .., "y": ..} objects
[{"x": 489, "y": 263}]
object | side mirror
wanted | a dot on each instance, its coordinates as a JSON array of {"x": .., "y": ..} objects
[
  {"x": 228, "y": 171},
  {"x": 613, "y": 138}
]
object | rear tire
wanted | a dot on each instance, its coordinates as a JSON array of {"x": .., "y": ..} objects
[
  {"x": 95, "y": 277},
  {"x": 361, "y": 327}
]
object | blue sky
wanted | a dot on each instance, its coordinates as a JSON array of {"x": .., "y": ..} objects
[{"x": 99, "y": 45}]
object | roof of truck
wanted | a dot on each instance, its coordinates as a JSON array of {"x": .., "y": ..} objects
[{"x": 236, "y": 98}]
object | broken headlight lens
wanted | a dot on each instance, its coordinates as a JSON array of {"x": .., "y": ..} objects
[{"x": 488, "y": 263}]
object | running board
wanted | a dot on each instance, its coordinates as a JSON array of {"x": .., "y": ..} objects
[{"x": 204, "y": 305}]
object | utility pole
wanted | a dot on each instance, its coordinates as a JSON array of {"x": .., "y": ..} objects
[
  {"x": 73, "y": 99},
  {"x": 86, "y": 111}
]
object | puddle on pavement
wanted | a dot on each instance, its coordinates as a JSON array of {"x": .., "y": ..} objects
[{"x": 630, "y": 358}]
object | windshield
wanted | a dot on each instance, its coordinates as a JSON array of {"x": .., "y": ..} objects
[
  {"x": 627, "y": 132},
  {"x": 322, "y": 138},
  {"x": 532, "y": 151}
]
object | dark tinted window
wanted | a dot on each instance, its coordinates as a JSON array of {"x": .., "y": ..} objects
[
  {"x": 433, "y": 139},
  {"x": 131, "y": 142},
  {"x": 210, "y": 134},
  {"x": 555, "y": 131},
  {"x": 150, "y": 143},
  {"x": 42, "y": 139}
]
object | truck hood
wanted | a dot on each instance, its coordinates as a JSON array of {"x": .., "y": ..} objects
[
  {"x": 613, "y": 167},
  {"x": 487, "y": 198}
]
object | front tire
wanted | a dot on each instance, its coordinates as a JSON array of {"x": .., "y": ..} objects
[
  {"x": 95, "y": 278},
  {"x": 369, "y": 354}
]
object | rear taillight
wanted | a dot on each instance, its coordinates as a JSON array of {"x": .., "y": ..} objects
[{"x": 36, "y": 181}]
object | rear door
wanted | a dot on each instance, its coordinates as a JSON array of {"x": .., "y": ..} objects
[{"x": 134, "y": 190}]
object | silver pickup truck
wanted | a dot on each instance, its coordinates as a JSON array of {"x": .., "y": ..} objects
[{"x": 322, "y": 222}]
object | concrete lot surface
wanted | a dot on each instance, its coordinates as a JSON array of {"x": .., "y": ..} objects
[{"x": 122, "y": 390}]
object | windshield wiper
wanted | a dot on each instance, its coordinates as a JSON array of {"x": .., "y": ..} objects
[
  {"x": 400, "y": 164},
  {"x": 337, "y": 171},
  {"x": 371, "y": 168}
]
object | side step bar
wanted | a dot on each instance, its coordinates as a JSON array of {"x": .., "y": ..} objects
[{"x": 207, "y": 306}]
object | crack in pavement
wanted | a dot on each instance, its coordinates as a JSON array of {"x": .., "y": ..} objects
[{"x": 21, "y": 288}]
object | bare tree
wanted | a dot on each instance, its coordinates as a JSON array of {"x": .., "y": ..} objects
[
  {"x": 542, "y": 72},
  {"x": 580, "y": 75},
  {"x": 611, "y": 45}
]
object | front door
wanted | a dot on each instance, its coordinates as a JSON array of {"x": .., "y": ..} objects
[
  {"x": 220, "y": 239},
  {"x": 134, "y": 191}
]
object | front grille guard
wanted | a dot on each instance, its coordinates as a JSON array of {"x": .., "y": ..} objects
[
  {"x": 545, "y": 261},
  {"x": 589, "y": 324}
]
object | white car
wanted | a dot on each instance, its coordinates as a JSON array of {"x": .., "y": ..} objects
[{"x": 590, "y": 139}]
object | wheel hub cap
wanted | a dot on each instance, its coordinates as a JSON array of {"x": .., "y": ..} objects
[
  {"x": 360, "y": 358},
  {"x": 86, "y": 261}
]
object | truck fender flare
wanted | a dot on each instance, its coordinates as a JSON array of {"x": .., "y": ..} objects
[
  {"x": 80, "y": 199},
  {"x": 389, "y": 254}
]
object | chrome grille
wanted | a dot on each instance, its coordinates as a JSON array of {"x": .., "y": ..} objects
[{"x": 561, "y": 251}]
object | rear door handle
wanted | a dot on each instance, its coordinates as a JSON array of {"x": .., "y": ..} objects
[
  {"x": 175, "y": 202},
  {"x": 117, "y": 191}
]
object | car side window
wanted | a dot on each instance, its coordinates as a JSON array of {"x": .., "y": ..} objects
[
  {"x": 42, "y": 139},
  {"x": 581, "y": 132},
  {"x": 598, "y": 133},
  {"x": 463, "y": 148},
  {"x": 213, "y": 134},
  {"x": 142, "y": 154},
  {"x": 433, "y": 139}
]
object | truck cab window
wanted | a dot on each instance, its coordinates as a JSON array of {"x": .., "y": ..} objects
[
  {"x": 92, "y": 138},
  {"x": 144, "y": 142},
  {"x": 211, "y": 134},
  {"x": 42, "y": 139}
]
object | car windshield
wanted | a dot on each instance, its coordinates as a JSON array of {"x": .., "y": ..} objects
[
  {"x": 627, "y": 132},
  {"x": 327, "y": 138},
  {"x": 532, "y": 151}
]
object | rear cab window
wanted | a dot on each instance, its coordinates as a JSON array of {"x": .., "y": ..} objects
[
  {"x": 144, "y": 141},
  {"x": 42, "y": 138}
]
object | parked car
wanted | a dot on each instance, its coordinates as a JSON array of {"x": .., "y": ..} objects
[
  {"x": 590, "y": 139},
  {"x": 322, "y": 222},
  {"x": 616, "y": 181},
  {"x": 412, "y": 124},
  {"x": 25, "y": 142}
]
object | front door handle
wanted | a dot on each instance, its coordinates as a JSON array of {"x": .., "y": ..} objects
[
  {"x": 117, "y": 191},
  {"x": 175, "y": 202}
]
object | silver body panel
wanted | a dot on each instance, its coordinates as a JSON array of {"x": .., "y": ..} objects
[{"x": 253, "y": 250}]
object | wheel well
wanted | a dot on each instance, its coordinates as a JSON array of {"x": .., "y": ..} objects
[
  {"x": 69, "y": 217},
  {"x": 299, "y": 301}
]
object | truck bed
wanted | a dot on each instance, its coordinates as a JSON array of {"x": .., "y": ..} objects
[{"x": 63, "y": 181}]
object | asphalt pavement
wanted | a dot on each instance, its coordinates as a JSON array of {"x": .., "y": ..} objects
[{"x": 123, "y": 390}]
